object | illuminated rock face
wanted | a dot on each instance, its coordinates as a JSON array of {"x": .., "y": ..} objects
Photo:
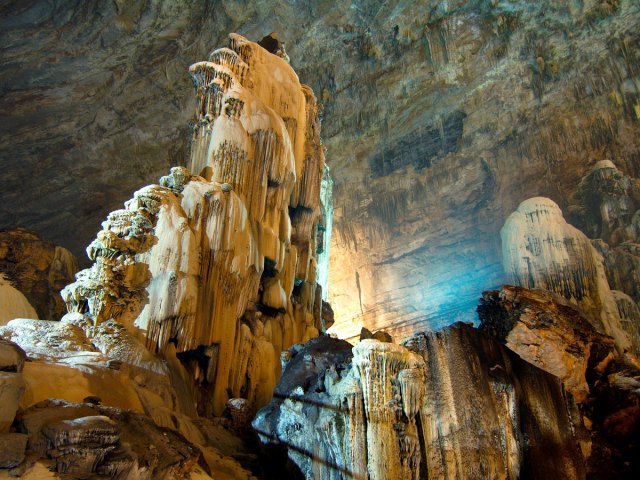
[
  {"x": 13, "y": 304},
  {"x": 547, "y": 333},
  {"x": 541, "y": 250},
  {"x": 223, "y": 265},
  {"x": 454, "y": 402}
]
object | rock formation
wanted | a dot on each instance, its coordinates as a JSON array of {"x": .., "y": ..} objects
[
  {"x": 606, "y": 206},
  {"x": 223, "y": 266},
  {"x": 546, "y": 331},
  {"x": 197, "y": 285},
  {"x": 448, "y": 404},
  {"x": 38, "y": 269},
  {"x": 13, "y": 304},
  {"x": 541, "y": 250}
]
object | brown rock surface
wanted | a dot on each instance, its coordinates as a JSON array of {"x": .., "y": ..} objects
[
  {"x": 90, "y": 441},
  {"x": 37, "y": 268},
  {"x": 542, "y": 329},
  {"x": 546, "y": 332},
  {"x": 439, "y": 118}
]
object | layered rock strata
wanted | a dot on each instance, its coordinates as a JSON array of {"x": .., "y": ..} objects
[
  {"x": 448, "y": 404},
  {"x": 38, "y": 269},
  {"x": 541, "y": 250},
  {"x": 223, "y": 265}
]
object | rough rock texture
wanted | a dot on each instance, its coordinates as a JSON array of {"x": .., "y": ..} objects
[
  {"x": 542, "y": 329},
  {"x": 606, "y": 205},
  {"x": 547, "y": 333},
  {"x": 439, "y": 119},
  {"x": 222, "y": 266},
  {"x": 86, "y": 440},
  {"x": 112, "y": 369},
  {"x": 541, "y": 250},
  {"x": 38, "y": 269},
  {"x": 449, "y": 404},
  {"x": 11, "y": 356},
  {"x": 12, "y": 449}
]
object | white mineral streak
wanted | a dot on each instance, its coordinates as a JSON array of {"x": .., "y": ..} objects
[
  {"x": 13, "y": 304},
  {"x": 629, "y": 318},
  {"x": 541, "y": 250},
  {"x": 392, "y": 446},
  {"x": 326, "y": 200},
  {"x": 213, "y": 264}
]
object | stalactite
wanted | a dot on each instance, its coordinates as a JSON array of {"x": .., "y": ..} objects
[{"x": 378, "y": 365}]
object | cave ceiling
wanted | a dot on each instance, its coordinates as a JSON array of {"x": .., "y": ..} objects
[{"x": 439, "y": 119}]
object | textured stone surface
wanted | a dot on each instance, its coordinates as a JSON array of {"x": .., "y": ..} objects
[
  {"x": 223, "y": 266},
  {"x": 439, "y": 119},
  {"x": 541, "y": 250},
  {"x": 548, "y": 333},
  {"x": 543, "y": 329},
  {"x": 449, "y": 404},
  {"x": 12, "y": 449},
  {"x": 38, "y": 269},
  {"x": 91, "y": 441},
  {"x": 11, "y": 356}
]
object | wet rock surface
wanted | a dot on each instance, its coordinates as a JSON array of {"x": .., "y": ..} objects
[{"x": 452, "y": 404}]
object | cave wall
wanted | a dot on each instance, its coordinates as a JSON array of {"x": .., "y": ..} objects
[{"x": 439, "y": 119}]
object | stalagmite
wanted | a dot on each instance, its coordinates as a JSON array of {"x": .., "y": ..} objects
[
  {"x": 13, "y": 304},
  {"x": 455, "y": 402},
  {"x": 391, "y": 445},
  {"x": 541, "y": 250},
  {"x": 185, "y": 260}
]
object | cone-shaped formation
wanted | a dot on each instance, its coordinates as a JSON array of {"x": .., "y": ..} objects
[
  {"x": 216, "y": 264},
  {"x": 541, "y": 250}
]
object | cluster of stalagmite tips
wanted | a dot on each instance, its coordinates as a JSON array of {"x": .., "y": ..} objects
[{"x": 221, "y": 259}]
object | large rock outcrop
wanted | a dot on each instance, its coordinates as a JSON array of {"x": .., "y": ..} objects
[
  {"x": 448, "y": 404},
  {"x": 545, "y": 330},
  {"x": 38, "y": 269},
  {"x": 541, "y": 250},
  {"x": 223, "y": 266}
]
